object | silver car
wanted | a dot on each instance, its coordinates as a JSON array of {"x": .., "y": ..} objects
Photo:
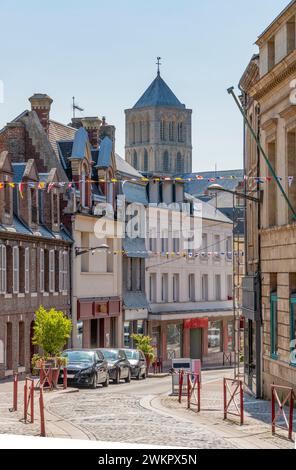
[{"x": 138, "y": 364}]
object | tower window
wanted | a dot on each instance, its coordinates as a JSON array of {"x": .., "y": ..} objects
[
  {"x": 145, "y": 160},
  {"x": 172, "y": 131},
  {"x": 135, "y": 160},
  {"x": 180, "y": 132},
  {"x": 162, "y": 131},
  {"x": 166, "y": 161},
  {"x": 179, "y": 163}
]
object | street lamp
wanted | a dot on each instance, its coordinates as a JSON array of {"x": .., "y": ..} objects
[{"x": 81, "y": 251}]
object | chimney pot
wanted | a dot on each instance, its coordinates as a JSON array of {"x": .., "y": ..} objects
[{"x": 41, "y": 104}]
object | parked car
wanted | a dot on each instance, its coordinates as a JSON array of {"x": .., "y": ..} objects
[
  {"x": 118, "y": 364},
  {"x": 138, "y": 364},
  {"x": 86, "y": 367}
]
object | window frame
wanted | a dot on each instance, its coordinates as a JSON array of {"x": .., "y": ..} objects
[
  {"x": 15, "y": 269},
  {"x": 3, "y": 269},
  {"x": 27, "y": 271},
  {"x": 41, "y": 271},
  {"x": 273, "y": 326},
  {"x": 51, "y": 267}
]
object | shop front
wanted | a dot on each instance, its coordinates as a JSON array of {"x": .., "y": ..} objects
[{"x": 99, "y": 322}]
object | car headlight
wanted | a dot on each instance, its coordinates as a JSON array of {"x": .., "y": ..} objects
[{"x": 86, "y": 371}]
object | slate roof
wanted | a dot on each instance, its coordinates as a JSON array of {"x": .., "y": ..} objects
[
  {"x": 134, "y": 300},
  {"x": 105, "y": 152},
  {"x": 18, "y": 171},
  {"x": 135, "y": 247},
  {"x": 59, "y": 132},
  {"x": 80, "y": 141},
  {"x": 124, "y": 168},
  {"x": 65, "y": 151},
  {"x": 158, "y": 94},
  {"x": 198, "y": 187},
  {"x": 134, "y": 192},
  {"x": 208, "y": 211}
]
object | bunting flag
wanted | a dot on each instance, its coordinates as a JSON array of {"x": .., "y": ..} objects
[{"x": 21, "y": 189}]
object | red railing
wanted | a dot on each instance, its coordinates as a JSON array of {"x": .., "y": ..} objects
[
  {"x": 29, "y": 400},
  {"x": 14, "y": 393},
  {"x": 181, "y": 381},
  {"x": 231, "y": 390},
  {"x": 288, "y": 400},
  {"x": 41, "y": 408},
  {"x": 193, "y": 391}
]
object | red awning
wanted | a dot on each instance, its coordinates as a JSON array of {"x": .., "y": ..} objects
[{"x": 196, "y": 323}]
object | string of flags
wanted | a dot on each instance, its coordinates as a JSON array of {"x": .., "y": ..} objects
[
  {"x": 184, "y": 254},
  {"x": 70, "y": 184}
]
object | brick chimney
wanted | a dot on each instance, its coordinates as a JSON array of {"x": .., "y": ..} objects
[
  {"x": 41, "y": 103},
  {"x": 92, "y": 126},
  {"x": 107, "y": 130}
]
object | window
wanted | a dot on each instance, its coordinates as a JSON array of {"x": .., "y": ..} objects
[
  {"x": 129, "y": 274},
  {"x": 291, "y": 35},
  {"x": 27, "y": 270},
  {"x": 34, "y": 206},
  {"x": 176, "y": 245},
  {"x": 152, "y": 288},
  {"x": 2, "y": 269},
  {"x": 41, "y": 271},
  {"x": 51, "y": 271},
  {"x": 204, "y": 245},
  {"x": 171, "y": 131},
  {"x": 180, "y": 132},
  {"x": 271, "y": 187},
  {"x": 166, "y": 161},
  {"x": 293, "y": 328},
  {"x": 205, "y": 287},
  {"x": 215, "y": 337},
  {"x": 55, "y": 208},
  {"x": 273, "y": 326},
  {"x": 179, "y": 163},
  {"x": 191, "y": 287},
  {"x": 291, "y": 152},
  {"x": 164, "y": 288},
  {"x": 176, "y": 288},
  {"x": 15, "y": 262},
  {"x": 65, "y": 271},
  {"x": 229, "y": 248},
  {"x": 145, "y": 166},
  {"x": 217, "y": 246},
  {"x": 174, "y": 341},
  {"x": 8, "y": 359},
  {"x": 229, "y": 287},
  {"x": 164, "y": 243},
  {"x": 138, "y": 274},
  {"x": 135, "y": 160},
  {"x": 7, "y": 199},
  {"x": 271, "y": 53},
  {"x": 217, "y": 286},
  {"x": 83, "y": 189},
  {"x": 162, "y": 130}
]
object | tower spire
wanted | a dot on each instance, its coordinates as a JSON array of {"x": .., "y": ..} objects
[{"x": 158, "y": 65}]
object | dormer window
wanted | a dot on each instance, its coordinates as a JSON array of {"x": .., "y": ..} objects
[
  {"x": 291, "y": 35},
  {"x": 271, "y": 53},
  {"x": 7, "y": 199},
  {"x": 55, "y": 208},
  {"x": 83, "y": 188}
]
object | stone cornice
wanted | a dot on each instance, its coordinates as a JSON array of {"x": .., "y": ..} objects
[
  {"x": 285, "y": 69},
  {"x": 277, "y": 23}
]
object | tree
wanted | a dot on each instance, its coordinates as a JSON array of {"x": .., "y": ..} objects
[
  {"x": 143, "y": 343},
  {"x": 51, "y": 330}
]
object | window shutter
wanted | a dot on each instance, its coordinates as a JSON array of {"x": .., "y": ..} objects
[
  {"x": 65, "y": 271},
  {"x": 2, "y": 269},
  {"x": 27, "y": 270},
  {"x": 41, "y": 273},
  {"x": 61, "y": 271},
  {"x": 15, "y": 269},
  {"x": 51, "y": 271}
]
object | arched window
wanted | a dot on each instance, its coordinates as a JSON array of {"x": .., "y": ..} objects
[
  {"x": 162, "y": 130},
  {"x": 83, "y": 188},
  {"x": 134, "y": 133},
  {"x": 180, "y": 132},
  {"x": 145, "y": 160},
  {"x": 172, "y": 131},
  {"x": 141, "y": 131},
  {"x": 166, "y": 161},
  {"x": 135, "y": 159},
  {"x": 179, "y": 163}
]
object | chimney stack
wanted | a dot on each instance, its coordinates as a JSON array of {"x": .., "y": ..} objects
[
  {"x": 41, "y": 103},
  {"x": 92, "y": 126}
]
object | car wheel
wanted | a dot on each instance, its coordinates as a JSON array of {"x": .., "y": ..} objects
[
  {"x": 117, "y": 377},
  {"x": 144, "y": 375},
  {"x": 106, "y": 383},
  {"x": 128, "y": 378},
  {"x": 94, "y": 382},
  {"x": 138, "y": 376}
]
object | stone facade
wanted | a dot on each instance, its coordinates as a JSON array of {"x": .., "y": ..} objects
[{"x": 267, "y": 87}]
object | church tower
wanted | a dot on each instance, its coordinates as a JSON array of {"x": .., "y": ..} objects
[{"x": 158, "y": 132}]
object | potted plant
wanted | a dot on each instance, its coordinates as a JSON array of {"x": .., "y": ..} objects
[
  {"x": 51, "y": 329},
  {"x": 143, "y": 343}
]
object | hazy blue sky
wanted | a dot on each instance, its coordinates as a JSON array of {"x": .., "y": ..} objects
[{"x": 104, "y": 53}]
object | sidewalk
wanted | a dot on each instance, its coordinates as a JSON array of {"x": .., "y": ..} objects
[{"x": 255, "y": 433}]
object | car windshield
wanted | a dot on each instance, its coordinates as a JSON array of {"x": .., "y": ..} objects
[
  {"x": 132, "y": 354},
  {"x": 79, "y": 356},
  {"x": 110, "y": 354}
]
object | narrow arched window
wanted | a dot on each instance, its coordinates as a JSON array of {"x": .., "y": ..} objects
[
  {"x": 180, "y": 132},
  {"x": 135, "y": 160},
  {"x": 161, "y": 130},
  {"x": 145, "y": 160},
  {"x": 179, "y": 163},
  {"x": 166, "y": 161}
]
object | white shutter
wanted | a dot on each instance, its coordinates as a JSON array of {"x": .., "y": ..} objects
[
  {"x": 61, "y": 271},
  {"x": 27, "y": 270},
  {"x": 15, "y": 255},
  {"x": 51, "y": 271},
  {"x": 2, "y": 269},
  {"x": 65, "y": 271},
  {"x": 41, "y": 272}
]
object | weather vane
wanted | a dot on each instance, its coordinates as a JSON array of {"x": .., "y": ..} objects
[{"x": 158, "y": 65}]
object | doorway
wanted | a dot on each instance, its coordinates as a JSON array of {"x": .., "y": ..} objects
[{"x": 196, "y": 343}]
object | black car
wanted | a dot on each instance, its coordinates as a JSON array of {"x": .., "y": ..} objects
[
  {"x": 86, "y": 367},
  {"x": 138, "y": 364},
  {"x": 118, "y": 364}
]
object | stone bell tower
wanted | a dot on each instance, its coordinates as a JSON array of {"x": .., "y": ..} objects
[{"x": 158, "y": 132}]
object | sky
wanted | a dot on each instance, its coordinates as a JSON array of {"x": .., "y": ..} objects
[{"x": 104, "y": 53}]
